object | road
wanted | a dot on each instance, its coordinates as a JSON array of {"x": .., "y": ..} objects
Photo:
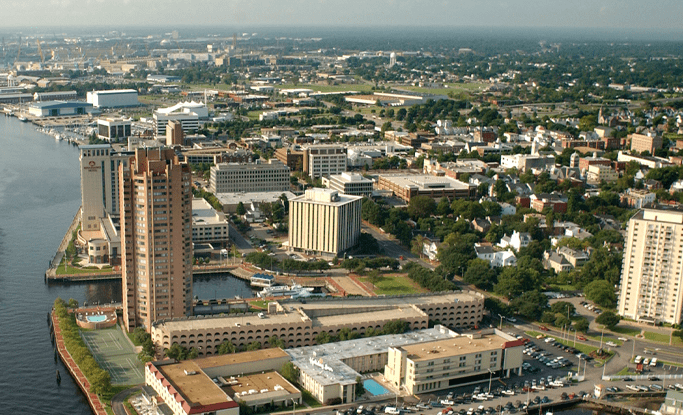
[
  {"x": 239, "y": 240},
  {"x": 118, "y": 399}
]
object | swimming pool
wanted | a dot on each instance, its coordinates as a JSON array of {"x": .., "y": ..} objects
[
  {"x": 374, "y": 388},
  {"x": 97, "y": 318}
]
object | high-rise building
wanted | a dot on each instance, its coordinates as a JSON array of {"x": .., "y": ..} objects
[
  {"x": 174, "y": 133},
  {"x": 99, "y": 183},
  {"x": 156, "y": 229},
  {"x": 324, "y": 222},
  {"x": 651, "y": 275}
]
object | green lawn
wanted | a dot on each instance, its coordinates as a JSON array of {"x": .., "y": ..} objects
[
  {"x": 625, "y": 371},
  {"x": 662, "y": 338},
  {"x": 563, "y": 287},
  {"x": 259, "y": 304},
  {"x": 533, "y": 334},
  {"x": 309, "y": 399},
  {"x": 393, "y": 284},
  {"x": 629, "y": 331},
  {"x": 77, "y": 270},
  {"x": 664, "y": 362}
]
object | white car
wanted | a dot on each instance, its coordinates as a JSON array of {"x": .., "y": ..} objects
[
  {"x": 611, "y": 344},
  {"x": 549, "y": 339}
]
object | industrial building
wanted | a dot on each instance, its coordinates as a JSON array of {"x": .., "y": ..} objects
[
  {"x": 114, "y": 98},
  {"x": 271, "y": 176},
  {"x": 651, "y": 287},
  {"x": 55, "y": 96},
  {"x": 298, "y": 324},
  {"x": 407, "y": 186},
  {"x": 59, "y": 108},
  {"x": 323, "y": 222}
]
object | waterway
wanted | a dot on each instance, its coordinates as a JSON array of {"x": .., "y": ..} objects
[{"x": 39, "y": 195}]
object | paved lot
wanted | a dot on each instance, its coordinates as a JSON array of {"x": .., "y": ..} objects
[{"x": 114, "y": 353}]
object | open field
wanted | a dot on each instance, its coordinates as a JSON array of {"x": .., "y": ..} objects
[
  {"x": 61, "y": 270},
  {"x": 393, "y": 285}
]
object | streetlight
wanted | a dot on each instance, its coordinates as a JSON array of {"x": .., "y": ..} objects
[
  {"x": 490, "y": 379},
  {"x": 501, "y": 321},
  {"x": 293, "y": 406}
]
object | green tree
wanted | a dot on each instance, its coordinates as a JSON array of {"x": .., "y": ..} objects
[
  {"x": 360, "y": 389},
  {"x": 226, "y": 347},
  {"x": 100, "y": 382},
  {"x": 290, "y": 372},
  {"x": 421, "y": 207},
  {"x": 323, "y": 337},
  {"x": 530, "y": 304},
  {"x": 241, "y": 210},
  {"x": 608, "y": 319},
  {"x": 581, "y": 325},
  {"x": 480, "y": 274},
  {"x": 274, "y": 341},
  {"x": 72, "y": 303},
  {"x": 601, "y": 292},
  {"x": 561, "y": 307},
  {"x": 253, "y": 346},
  {"x": 395, "y": 327}
]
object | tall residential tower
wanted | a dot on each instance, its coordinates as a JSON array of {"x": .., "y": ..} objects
[
  {"x": 156, "y": 229},
  {"x": 651, "y": 274}
]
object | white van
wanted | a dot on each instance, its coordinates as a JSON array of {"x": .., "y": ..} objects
[
  {"x": 653, "y": 362},
  {"x": 391, "y": 410},
  {"x": 638, "y": 359}
]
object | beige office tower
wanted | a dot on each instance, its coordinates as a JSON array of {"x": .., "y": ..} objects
[
  {"x": 651, "y": 274},
  {"x": 156, "y": 229},
  {"x": 324, "y": 222}
]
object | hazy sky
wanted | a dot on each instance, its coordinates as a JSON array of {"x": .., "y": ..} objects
[{"x": 610, "y": 14}]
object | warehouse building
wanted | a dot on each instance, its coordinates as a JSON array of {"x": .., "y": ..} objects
[
  {"x": 114, "y": 98},
  {"x": 59, "y": 108}
]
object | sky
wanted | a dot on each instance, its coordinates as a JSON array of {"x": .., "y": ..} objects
[{"x": 601, "y": 14}]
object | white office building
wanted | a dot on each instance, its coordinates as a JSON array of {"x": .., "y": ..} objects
[
  {"x": 208, "y": 226},
  {"x": 187, "y": 113},
  {"x": 114, "y": 129},
  {"x": 324, "y": 160},
  {"x": 349, "y": 184},
  {"x": 324, "y": 222},
  {"x": 114, "y": 98},
  {"x": 271, "y": 176},
  {"x": 651, "y": 276}
]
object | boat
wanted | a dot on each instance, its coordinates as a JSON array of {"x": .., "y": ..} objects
[
  {"x": 22, "y": 118},
  {"x": 295, "y": 291}
]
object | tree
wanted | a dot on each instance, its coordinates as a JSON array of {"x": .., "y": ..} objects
[
  {"x": 274, "y": 341},
  {"x": 360, "y": 389},
  {"x": 581, "y": 325},
  {"x": 241, "y": 210},
  {"x": 72, "y": 303},
  {"x": 226, "y": 347},
  {"x": 290, "y": 372},
  {"x": 480, "y": 274},
  {"x": 601, "y": 292},
  {"x": 395, "y": 327},
  {"x": 561, "y": 307},
  {"x": 253, "y": 346},
  {"x": 608, "y": 319},
  {"x": 421, "y": 207},
  {"x": 323, "y": 337},
  {"x": 530, "y": 304},
  {"x": 100, "y": 382}
]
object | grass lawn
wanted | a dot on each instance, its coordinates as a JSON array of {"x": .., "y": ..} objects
[
  {"x": 664, "y": 362},
  {"x": 394, "y": 284},
  {"x": 533, "y": 333},
  {"x": 253, "y": 115},
  {"x": 625, "y": 371},
  {"x": 309, "y": 399},
  {"x": 74, "y": 270},
  {"x": 629, "y": 331},
  {"x": 563, "y": 287},
  {"x": 662, "y": 338},
  {"x": 259, "y": 304}
]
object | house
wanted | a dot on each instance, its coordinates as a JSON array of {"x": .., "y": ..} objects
[
  {"x": 430, "y": 248},
  {"x": 539, "y": 202},
  {"x": 507, "y": 209},
  {"x": 516, "y": 241},
  {"x": 575, "y": 257},
  {"x": 558, "y": 263},
  {"x": 495, "y": 258},
  {"x": 481, "y": 225}
]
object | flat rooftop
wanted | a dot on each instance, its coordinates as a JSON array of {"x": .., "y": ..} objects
[
  {"x": 197, "y": 388},
  {"x": 237, "y": 358},
  {"x": 425, "y": 181},
  {"x": 245, "y": 322},
  {"x": 325, "y": 362},
  {"x": 394, "y": 313},
  {"x": 259, "y": 386},
  {"x": 249, "y": 197},
  {"x": 454, "y": 347},
  {"x": 399, "y": 301},
  {"x": 203, "y": 213}
]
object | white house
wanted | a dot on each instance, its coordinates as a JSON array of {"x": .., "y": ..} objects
[
  {"x": 495, "y": 258},
  {"x": 430, "y": 249},
  {"x": 516, "y": 241}
]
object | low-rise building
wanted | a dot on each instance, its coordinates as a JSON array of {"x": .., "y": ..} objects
[
  {"x": 207, "y": 224},
  {"x": 349, "y": 184},
  {"x": 539, "y": 202},
  {"x": 493, "y": 257},
  {"x": 272, "y": 176},
  {"x": 556, "y": 262},
  {"x": 642, "y": 142},
  {"x": 113, "y": 129},
  {"x": 637, "y": 198},
  {"x": 525, "y": 162},
  {"x": 59, "y": 108},
  {"x": 114, "y": 98},
  {"x": 517, "y": 240},
  {"x": 465, "y": 359},
  {"x": 407, "y": 186},
  {"x": 597, "y": 174}
]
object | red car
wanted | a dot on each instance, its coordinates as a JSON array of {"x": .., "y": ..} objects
[
  {"x": 581, "y": 338},
  {"x": 544, "y": 328}
]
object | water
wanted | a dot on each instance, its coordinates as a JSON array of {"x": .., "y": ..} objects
[
  {"x": 39, "y": 195},
  {"x": 374, "y": 388}
]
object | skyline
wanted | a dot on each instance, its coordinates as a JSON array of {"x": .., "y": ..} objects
[{"x": 534, "y": 14}]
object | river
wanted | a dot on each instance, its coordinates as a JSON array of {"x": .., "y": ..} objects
[{"x": 39, "y": 195}]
